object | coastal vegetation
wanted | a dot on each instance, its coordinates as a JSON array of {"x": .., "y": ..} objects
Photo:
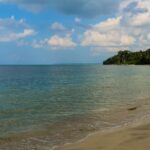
[{"x": 127, "y": 57}]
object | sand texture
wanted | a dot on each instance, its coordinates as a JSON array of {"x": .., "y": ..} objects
[{"x": 133, "y": 138}]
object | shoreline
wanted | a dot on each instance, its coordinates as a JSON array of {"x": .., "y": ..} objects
[
  {"x": 123, "y": 118},
  {"x": 130, "y": 137}
]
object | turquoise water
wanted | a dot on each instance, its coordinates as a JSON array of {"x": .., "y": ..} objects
[{"x": 35, "y": 98}]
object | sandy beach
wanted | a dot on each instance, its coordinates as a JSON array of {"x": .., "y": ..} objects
[{"x": 136, "y": 137}]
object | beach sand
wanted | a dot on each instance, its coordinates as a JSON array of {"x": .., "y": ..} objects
[{"x": 130, "y": 138}]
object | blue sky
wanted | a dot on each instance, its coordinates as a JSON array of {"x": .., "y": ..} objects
[{"x": 71, "y": 31}]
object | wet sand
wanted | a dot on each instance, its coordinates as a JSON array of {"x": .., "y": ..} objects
[
  {"x": 136, "y": 137},
  {"x": 129, "y": 129}
]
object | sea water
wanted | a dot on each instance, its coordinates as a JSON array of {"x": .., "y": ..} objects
[{"x": 50, "y": 105}]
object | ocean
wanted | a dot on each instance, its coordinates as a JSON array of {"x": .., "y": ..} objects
[{"x": 50, "y": 105}]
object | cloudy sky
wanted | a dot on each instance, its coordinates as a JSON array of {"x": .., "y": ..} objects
[{"x": 71, "y": 31}]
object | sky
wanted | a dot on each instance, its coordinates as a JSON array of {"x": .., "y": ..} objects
[{"x": 71, "y": 31}]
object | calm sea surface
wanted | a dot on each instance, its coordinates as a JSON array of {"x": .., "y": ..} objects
[{"x": 50, "y": 105}]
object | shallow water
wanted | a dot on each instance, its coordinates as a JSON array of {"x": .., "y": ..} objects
[{"x": 51, "y": 105}]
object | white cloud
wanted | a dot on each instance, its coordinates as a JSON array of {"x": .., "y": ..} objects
[
  {"x": 12, "y": 36},
  {"x": 148, "y": 36},
  {"x": 77, "y": 20},
  {"x": 140, "y": 19},
  {"x": 12, "y": 23},
  {"x": 107, "y": 33},
  {"x": 61, "y": 42},
  {"x": 129, "y": 29},
  {"x": 136, "y": 12},
  {"x": 39, "y": 44},
  {"x": 58, "y": 26},
  {"x": 112, "y": 38},
  {"x": 127, "y": 40},
  {"x": 144, "y": 4},
  {"x": 34, "y": 44},
  {"x": 13, "y": 30},
  {"x": 109, "y": 24},
  {"x": 55, "y": 42}
]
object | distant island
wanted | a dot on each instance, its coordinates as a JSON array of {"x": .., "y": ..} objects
[{"x": 129, "y": 58}]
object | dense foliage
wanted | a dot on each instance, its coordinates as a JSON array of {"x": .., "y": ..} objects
[{"x": 129, "y": 58}]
